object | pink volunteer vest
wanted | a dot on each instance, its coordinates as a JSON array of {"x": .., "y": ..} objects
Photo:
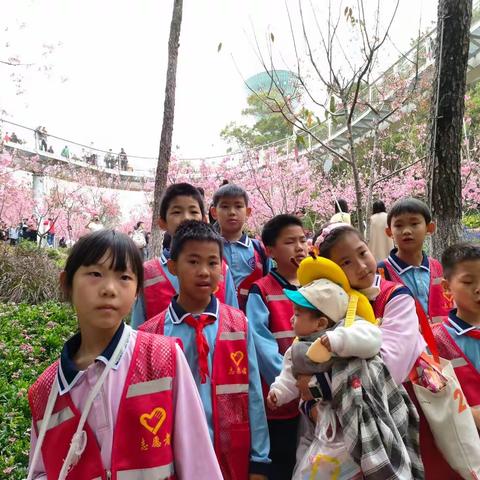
[
  {"x": 245, "y": 285},
  {"x": 281, "y": 312},
  {"x": 143, "y": 432},
  {"x": 467, "y": 374},
  {"x": 230, "y": 386},
  {"x": 439, "y": 305}
]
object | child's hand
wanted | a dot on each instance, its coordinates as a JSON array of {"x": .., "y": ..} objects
[
  {"x": 326, "y": 342},
  {"x": 272, "y": 400},
  {"x": 302, "y": 385}
]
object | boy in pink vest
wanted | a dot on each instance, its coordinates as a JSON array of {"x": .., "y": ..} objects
[
  {"x": 270, "y": 314},
  {"x": 118, "y": 403},
  {"x": 458, "y": 336},
  {"x": 181, "y": 201},
  {"x": 246, "y": 257},
  {"x": 219, "y": 348},
  {"x": 409, "y": 222}
]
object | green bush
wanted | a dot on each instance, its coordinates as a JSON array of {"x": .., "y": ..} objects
[
  {"x": 31, "y": 338},
  {"x": 28, "y": 274},
  {"x": 471, "y": 220}
]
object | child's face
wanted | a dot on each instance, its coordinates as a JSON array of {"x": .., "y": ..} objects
[
  {"x": 305, "y": 321},
  {"x": 355, "y": 259},
  {"x": 408, "y": 231},
  {"x": 181, "y": 208},
  {"x": 231, "y": 214},
  {"x": 198, "y": 268},
  {"x": 290, "y": 243},
  {"x": 102, "y": 297},
  {"x": 464, "y": 286}
]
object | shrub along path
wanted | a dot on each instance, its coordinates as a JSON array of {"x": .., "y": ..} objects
[{"x": 31, "y": 337}]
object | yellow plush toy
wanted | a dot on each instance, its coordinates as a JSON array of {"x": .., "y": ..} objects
[{"x": 312, "y": 268}]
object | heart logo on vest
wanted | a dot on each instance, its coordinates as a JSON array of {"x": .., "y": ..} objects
[
  {"x": 236, "y": 357},
  {"x": 154, "y": 420}
]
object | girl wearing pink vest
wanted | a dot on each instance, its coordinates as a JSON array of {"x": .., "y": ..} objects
[
  {"x": 118, "y": 404},
  {"x": 394, "y": 304}
]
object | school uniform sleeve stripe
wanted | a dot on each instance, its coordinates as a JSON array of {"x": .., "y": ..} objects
[
  {"x": 269, "y": 359},
  {"x": 260, "y": 441}
]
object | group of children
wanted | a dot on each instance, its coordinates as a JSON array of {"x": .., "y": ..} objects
[{"x": 191, "y": 389}]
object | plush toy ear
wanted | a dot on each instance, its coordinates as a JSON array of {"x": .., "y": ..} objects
[
  {"x": 311, "y": 269},
  {"x": 318, "y": 353}
]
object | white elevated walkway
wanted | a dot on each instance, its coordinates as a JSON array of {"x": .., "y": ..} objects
[{"x": 28, "y": 157}]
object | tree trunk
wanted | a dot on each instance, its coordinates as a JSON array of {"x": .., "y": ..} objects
[
  {"x": 356, "y": 179},
  {"x": 444, "y": 176},
  {"x": 167, "y": 127}
]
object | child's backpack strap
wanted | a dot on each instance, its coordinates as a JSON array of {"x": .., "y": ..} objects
[
  {"x": 387, "y": 289},
  {"x": 260, "y": 249}
]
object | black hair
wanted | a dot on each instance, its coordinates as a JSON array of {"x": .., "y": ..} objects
[
  {"x": 180, "y": 190},
  {"x": 229, "y": 190},
  {"x": 92, "y": 247},
  {"x": 193, "y": 230},
  {"x": 202, "y": 191},
  {"x": 334, "y": 236},
  {"x": 378, "y": 207},
  {"x": 409, "y": 205},
  {"x": 341, "y": 206},
  {"x": 138, "y": 224},
  {"x": 271, "y": 230},
  {"x": 458, "y": 253}
]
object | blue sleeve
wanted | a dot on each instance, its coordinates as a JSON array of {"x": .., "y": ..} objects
[
  {"x": 269, "y": 358},
  {"x": 138, "y": 313},
  {"x": 260, "y": 441},
  {"x": 230, "y": 290}
]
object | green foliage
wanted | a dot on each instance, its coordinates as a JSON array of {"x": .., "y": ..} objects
[
  {"x": 471, "y": 220},
  {"x": 28, "y": 274},
  {"x": 31, "y": 337},
  {"x": 268, "y": 126}
]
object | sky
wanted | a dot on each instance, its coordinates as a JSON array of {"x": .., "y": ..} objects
[{"x": 105, "y": 75}]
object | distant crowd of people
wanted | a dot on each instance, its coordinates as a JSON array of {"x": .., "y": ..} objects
[
  {"x": 111, "y": 160},
  {"x": 29, "y": 229}
]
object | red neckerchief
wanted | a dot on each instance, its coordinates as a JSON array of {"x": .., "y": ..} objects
[{"x": 202, "y": 345}]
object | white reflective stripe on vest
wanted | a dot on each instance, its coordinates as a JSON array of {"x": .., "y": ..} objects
[
  {"x": 154, "y": 280},
  {"x": 437, "y": 281},
  {"x": 57, "y": 418},
  {"x": 274, "y": 298},
  {"x": 243, "y": 291},
  {"x": 232, "y": 388},
  {"x": 232, "y": 336},
  {"x": 284, "y": 334},
  {"x": 458, "y": 362},
  {"x": 437, "y": 319},
  {"x": 153, "y": 386},
  {"x": 154, "y": 473}
]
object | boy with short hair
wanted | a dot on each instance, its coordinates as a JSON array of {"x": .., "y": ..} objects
[
  {"x": 246, "y": 257},
  {"x": 458, "y": 336},
  {"x": 219, "y": 348},
  {"x": 409, "y": 221},
  {"x": 180, "y": 202},
  {"x": 270, "y": 315}
]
